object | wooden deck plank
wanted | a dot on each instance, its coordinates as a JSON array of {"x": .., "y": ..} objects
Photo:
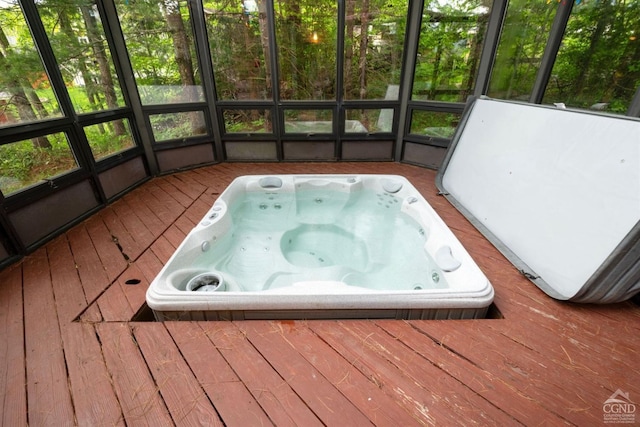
[
  {"x": 184, "y": 224},
  {"x": 185, "y": 399},
  {"x": 208, "y": 198},
  {"x": 319, "y": 394},
  {"x": 94, "y": 399},
  {"x": 213, "y": 178},
  {"x": 435, "y": 399},
  {"x": 363, "y": 393},
  {"x": 548, "y": 361},
  {"x": 174, "y": 236},
  {"x": 13, "y": 408},
  {"x": 524, "y": 371},
  {"x": 177, "y": 193},
  {"x": 163, "y": 249},
  {"x": 141, "y": 219},
  {"x": 582, "y": 337},
  {"x": 91, "y": 314},
  {"x": 49, "y": 399},
  {"x": 134, "y": 286},
  {"x": 192, "y": 216},
  {"x": 275, "y": 396},
  {"x": 567, "y": 319},
  {"x": 114, "y": 305},
  {"x": 626, "y": 309},
  {"x": 67, "y": 287},
  {"x": 406, "y": 393},
  {"x": 111, "y": 258},
  {"x": 86, "y": 370},
  {"x": 148, "y": 206},
  {"x": 187, "y": 184},
  {"x": 149, "y": 265},
  {"x": 121, "y": 236},
  {"x": 199, "y": 209},
  {"x": 93, "y": 276},
  {"x": 229, "y": 395},
  {"x": 137, "y": 393},
  {"x": 168, "y": 208},
  {"x": 423, "y": 369},
  {"x": 564, "y": 318},
  {"x": 565, "y": 352},
  {"x": 497, "y": 390}
]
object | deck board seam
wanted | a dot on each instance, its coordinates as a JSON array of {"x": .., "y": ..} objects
[{"x": 131, "y": 261}]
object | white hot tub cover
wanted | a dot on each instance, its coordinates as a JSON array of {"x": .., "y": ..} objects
[{"x": 556, "y": 190}]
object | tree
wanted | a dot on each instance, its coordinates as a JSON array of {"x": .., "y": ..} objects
[
  {"x": 182, "y": 53},
  {"x": 449, "y": 49},
  {"x": 263, "y": 30},
  {"x": 181, "y": 44},
  {"x": 524, "y": 36},
  {"x": 19, "y": 87},
  {"x": 106, "y": 79},
  {"x": 70, "y": 51},
  {"x": 597, "y": 65},
  {"x": 350, "y": 22},
  {"x": 150, "y": 47},
  {"x": 364, "y": 45}
]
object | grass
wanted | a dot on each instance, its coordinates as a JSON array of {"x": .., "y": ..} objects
[{"x": 23, "y": 163}]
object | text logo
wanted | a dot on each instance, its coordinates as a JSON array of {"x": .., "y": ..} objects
[{"x": 619, "y": 408}]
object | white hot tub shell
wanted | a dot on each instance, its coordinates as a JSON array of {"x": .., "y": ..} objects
[{"x": 320, "y": 246}]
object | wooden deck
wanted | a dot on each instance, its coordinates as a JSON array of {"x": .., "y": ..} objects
[{"x": 71, "y": 354}]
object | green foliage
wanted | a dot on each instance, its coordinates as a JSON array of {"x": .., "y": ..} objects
[
  {"x": 23, "y": 164},
  {"x": 237, "y": 51},
  {"x": 172, "y": 126},
  {"x": 521, "y": 47},
  {"x": 448, "y": 49},
  {"x": 599, "y": 56},
  {"x": 597, "y": 62},
  {"x": 104, "y": 140},
  {"x": 245, "y": 127},
  {"x": 149, "y": 41},
  {"x": 306, "y": 36},
  {"x": 384, "y": 54},
  {"x": 434, "y": 123}
]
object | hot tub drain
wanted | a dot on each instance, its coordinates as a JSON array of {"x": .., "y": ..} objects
[{"x": 206, "y": 282}]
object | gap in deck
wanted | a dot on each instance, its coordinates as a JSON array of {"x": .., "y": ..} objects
[{"x": 145, "y": 314}]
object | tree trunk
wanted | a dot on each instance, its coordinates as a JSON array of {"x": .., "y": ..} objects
[
  {"x": 36, "y": 103},
  {"x": 294, "y": 79},
  {"x": 348, "y": 53},
  {"x": 435, "y": 74},
  {"x": 604, "y": 19},
  {"x": 182, "y": 52},
  {"x": 249, "y": 72},
  {"x": 72, "y": 39},
  {"x": 106, "y": 79},
  {"x": 474, "y": 57},
  {"x": 264, "y": 41},
  {"x": 180, "y": 42},
  {"x": 364, "y": 45},
  {"x": 625, "y": 85},
  {"x": 16, "y": 87}
]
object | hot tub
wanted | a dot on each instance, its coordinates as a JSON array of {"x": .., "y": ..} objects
[{"x": 320, "y": 246}]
